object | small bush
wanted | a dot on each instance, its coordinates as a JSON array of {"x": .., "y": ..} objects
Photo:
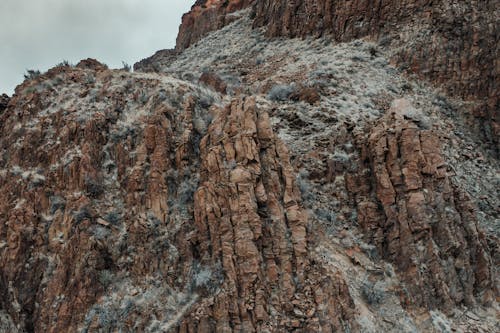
[
  {"x": 89, "y": 79},
  {"x": 372, "y": 293},
  {"x": 280, "y": 92},
  {"x": 185, "y": 192},
  {"x": 94, "y": 188},
  {"x": 31, "y": 74},
  {"x": 126, "y": 67},
  {"x": 341, "y": 157},
  {"x": 143, "y": 97},
  {"x": 64, "y": 63},
  {"x": 82, "y": 214},
  {"x": 325, "y": 215},
  {"x": 56, "y": 203},
  {"x": 105, "y": 278},
  {"x": 113, "y": 217}
]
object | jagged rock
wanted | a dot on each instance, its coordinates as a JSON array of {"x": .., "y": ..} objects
[
  {"x": 142, "y": 202},
  {"x": 118, "y": 164},
  {"x": 130, "y": 192},
  {"x": 150, "y": 64},
  {"x": 250, "y": 222},
  {"x": 90, "y": 63},
  {"x": 447, "y": 42},
  {"x": 206, "y": 16},
  {"x": 419, "y": 219}
]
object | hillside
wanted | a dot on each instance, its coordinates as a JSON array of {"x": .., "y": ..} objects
[{"x": 305, "y": 166}]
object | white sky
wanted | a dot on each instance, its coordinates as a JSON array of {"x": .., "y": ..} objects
[{"x": 37, "y": 34}]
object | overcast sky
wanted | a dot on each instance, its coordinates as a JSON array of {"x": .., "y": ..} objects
[{"x": 37, "y": 34}]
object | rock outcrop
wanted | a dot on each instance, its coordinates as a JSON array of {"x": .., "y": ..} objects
[
  {"x": 214, "y": 81},
  {"x": 451, "y": 43},
  {"x": 418, "y": 218},
  {"x": 250, "y": 223},
  {"x": 150, "y": 64},
  {"x": 276, "y": 190},
  {"x": 206, "y": 16},
  {"x": 127, "y": 184},
  {"x": 101, "y": 203},
  {"x": 4, "y": 101}
]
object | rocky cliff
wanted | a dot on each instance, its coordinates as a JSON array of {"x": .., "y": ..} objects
[
  {"x": 253, "y": 182},
  {"x": 206, "y": 16},
  {"x": 453, "y": 44}
]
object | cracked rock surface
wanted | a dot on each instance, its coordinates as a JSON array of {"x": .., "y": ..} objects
[{"x": 253, "y": 182}]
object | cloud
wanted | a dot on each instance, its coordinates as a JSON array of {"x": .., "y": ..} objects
[{"x": 39, "y": 34}]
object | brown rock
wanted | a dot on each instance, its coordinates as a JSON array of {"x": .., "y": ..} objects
[
  {"x": 243, "y": 215},
  {"x": 150, "y": 64},
  {"x": 427, "y": 226},
  {"x": 90, "y": 63},
  {"x": 306, "y": 94},
  {"x": 459, "y": 37},
  {"x": 206, "y": 16},
  {"x": 214, "y": 81},
  {"x": 121, "y": 205}
]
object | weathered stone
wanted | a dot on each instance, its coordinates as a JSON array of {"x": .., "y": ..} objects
[
  {"x": 150, "y": 64},
  {"x": 427, "y": 225},
  {"x": 90, "y": 63},
  {"x": 451, "y": 43},
  {"x": 206, "y": 16},
  {"x": 214, "y": 81},
  {"x": 4, "y": 101}
]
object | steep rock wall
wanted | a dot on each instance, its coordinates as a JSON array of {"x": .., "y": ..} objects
[
  {"x": 454, "y": 44},
  {"x": 418, "y": 218},
  {"x": 121, "y": 210},
  {"x": 206, "y": 16}
]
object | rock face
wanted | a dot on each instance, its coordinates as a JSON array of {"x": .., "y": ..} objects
[
  {"x": 451, "y": 43},
  {"x": 418, "y": 218},
  {"x": 118, "y": 196},
  {"x": 253, "y": 184},
  {"x": 206, "y": 16},
  {"x": 250, "y": 223}
]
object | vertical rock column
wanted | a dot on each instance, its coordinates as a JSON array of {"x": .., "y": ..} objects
[
  {"x": 250, "y": 223},
  {"x": 419, "y": 219}
]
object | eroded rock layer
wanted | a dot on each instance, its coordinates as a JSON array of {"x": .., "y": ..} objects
[
  {"x": 253, "y": 184},
  {"x": 96, "y": 183},
  {"x": 4, "y": 101},
  {"x": 418, "y": 218}
]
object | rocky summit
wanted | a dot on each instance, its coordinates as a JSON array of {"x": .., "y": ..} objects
[{"x": 291, "y": 166}]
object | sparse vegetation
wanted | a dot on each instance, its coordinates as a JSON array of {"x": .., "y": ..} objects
[
  {"x": 105, "y": 278},
  {"x": 372, "y": 293},
  {"x": 64, "y": 63},
  {"x": 31, "y": 74},
  {"x": 280, "y": 92},
  {"x": 126, "y": 67},
  {"x": 94, "y": 187},
  {"x": 82, "y": 214}
]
